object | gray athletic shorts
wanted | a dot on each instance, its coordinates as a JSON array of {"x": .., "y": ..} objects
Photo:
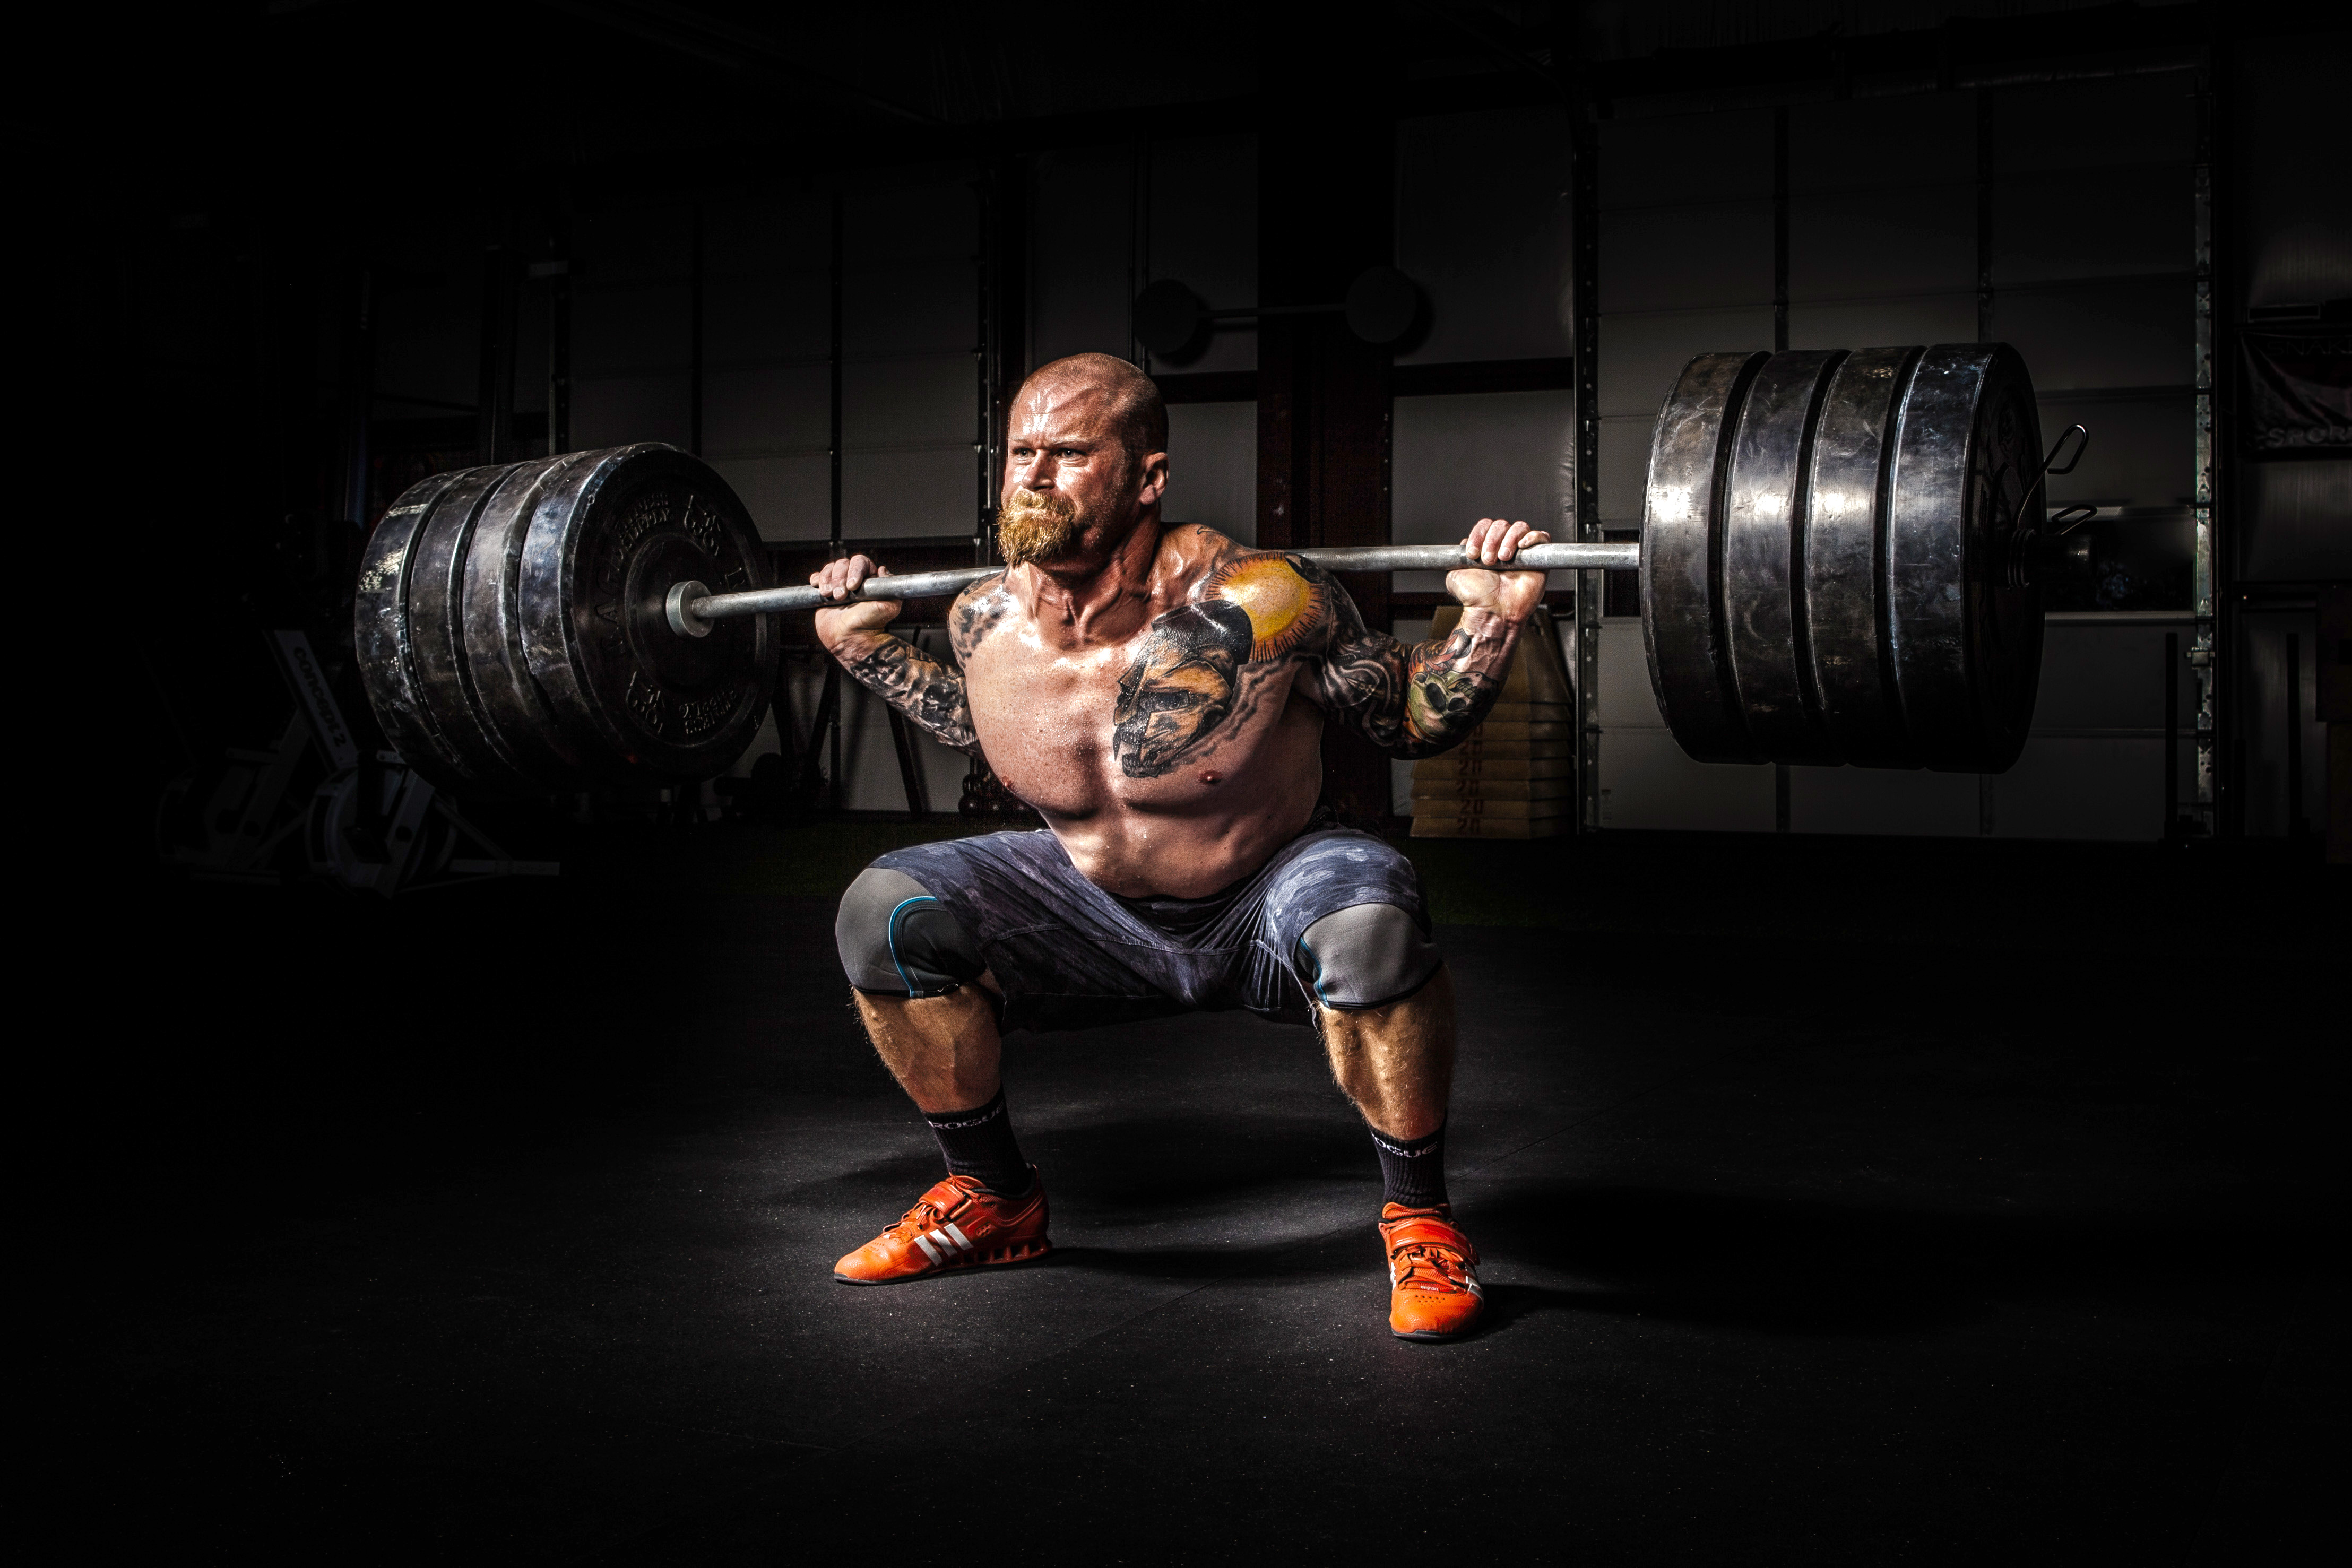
[{"x": 1070, "y": 956}]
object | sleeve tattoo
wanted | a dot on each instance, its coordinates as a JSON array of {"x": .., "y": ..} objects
[
  {"x": 925, "y": 691},
  {"x": 1414, "y": 701}
]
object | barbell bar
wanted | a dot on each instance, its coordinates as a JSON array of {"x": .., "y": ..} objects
[
  {"x": 691, "y": 608},
  {"x": 1837, "y": 564}
]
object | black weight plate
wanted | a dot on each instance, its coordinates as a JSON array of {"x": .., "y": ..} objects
[
  {"x": 1965, "y": 646},
  {"x": 606, "y": 542},
  {"x": 513, "y": 711},
  {"x": 1845, "y": 542},
  {"x": 1765, "y": 507},
  {"x": 1683, "y": 621},
  {"x": 436, "y": 631},
  {"x": 381, "y": 633}
]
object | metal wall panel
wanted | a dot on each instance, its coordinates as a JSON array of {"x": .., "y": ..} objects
[
  {"x": 2095, "y": 766},
  {"x": 790, "y": 497},
  {"x": 910, "y": 215},
  {"x": 1686, "y": 257},
  {"x": 1459, "y": 458},
  {"x": 909, "y": 398},
  {"x": 428, "y": 335},
  {"x": 614, "y": 411},
  {"x": 2095, "y": 124},
  {"x": 1918, "y": 139},
  {"x": 1684, "y": 157},
  {"x": 757, "y": 318},
  {"x": 1643, "y": 353},
  {"x": 1204, "y": 233},
  {"x": 2074, "y": 223},
  {"x": 766, "y": 332},
  {"x": 2298, "y": 520},
  {"x": 1482, "y": 227},
  {"x": 1870, "y": 243},
  {"x": 1883, "y": 323},
  {"x": 2118, "y": 333},
  {"x": 2262, "y": 689},
  {"x": 908, "y": 308},
  {"x": 767, "y": 236},
  {"x": 1081, "y": 252},
  {"x": 2295, "y": 215},
  {"x": 893, "y": 493},
  {"x": 924, "y": 401},
  {"x": 1646, "y": 780},
  {"x": 629, "y": 329},
  {"x": 1212, "y": 467},
  {"x": 633, "y": 244},
  {"x": 2107, "y": 676},
  {"x": 1624, "y": 467},
  {"x": 765, "y": 410}
]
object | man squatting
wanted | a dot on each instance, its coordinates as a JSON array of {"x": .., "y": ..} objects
[{"x": 1159, "y": 695}]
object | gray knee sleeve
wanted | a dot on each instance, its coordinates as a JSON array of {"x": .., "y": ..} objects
[
  {"x": 1367, "y": 957},
  {"x": 897, "y": 940}
]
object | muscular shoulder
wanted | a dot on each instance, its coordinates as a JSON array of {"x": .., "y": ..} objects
[{"x": 1270, "y": 603}]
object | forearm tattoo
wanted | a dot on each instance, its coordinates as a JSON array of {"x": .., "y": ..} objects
[
  {"x": 1417, "y": 701},
  {"x": 910, "y": 681},
  {"x": 929, "y": 692}
]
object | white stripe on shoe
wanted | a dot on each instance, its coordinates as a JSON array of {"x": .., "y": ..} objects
[
  {"x": 961, "y": 1239},
  {"x": 930, "y": 1252}
]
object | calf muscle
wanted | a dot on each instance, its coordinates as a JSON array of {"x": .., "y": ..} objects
[
  {"x": 1396, "y": 1063},
  {"x": 943, "y": 1050}
]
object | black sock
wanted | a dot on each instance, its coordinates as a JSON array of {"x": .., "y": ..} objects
[
  {"x": 980, "y": 1143},
  {"x": 1412, "y": 1172}
]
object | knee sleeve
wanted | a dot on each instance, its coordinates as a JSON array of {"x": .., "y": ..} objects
[
  {"x": 1367, "y": 957},
  {"x": 897, "y": 940}
]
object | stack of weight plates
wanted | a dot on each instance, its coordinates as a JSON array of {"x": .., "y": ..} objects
[
  {"x": 1826, "y": 557},
  {"x": 1514, "y": 778},
  {"x": 512, "y": 633}
]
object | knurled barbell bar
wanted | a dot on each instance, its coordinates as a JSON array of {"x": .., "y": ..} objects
[{"x": 1835, "y": 568}]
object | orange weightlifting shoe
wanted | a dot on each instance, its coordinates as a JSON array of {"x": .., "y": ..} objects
[
  {"x": 959, "y": 1224},
  {"x": 1432, "y": 1273}
]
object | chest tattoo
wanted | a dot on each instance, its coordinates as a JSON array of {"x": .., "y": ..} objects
[{"x": 1182, "y": 684}]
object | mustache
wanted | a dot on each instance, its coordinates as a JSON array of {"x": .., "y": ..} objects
[
  {"x": 1037, "y": 527},
  {"x": 1029, "y": 503}
]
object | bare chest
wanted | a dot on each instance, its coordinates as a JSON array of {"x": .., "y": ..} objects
[{"x": 1154, "y": 722}]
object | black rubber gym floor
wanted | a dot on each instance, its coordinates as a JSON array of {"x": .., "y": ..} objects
[{"x": 1842, "y": 1201}]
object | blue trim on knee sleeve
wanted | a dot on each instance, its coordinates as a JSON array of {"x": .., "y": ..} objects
[{"x": 891, "y": 931}]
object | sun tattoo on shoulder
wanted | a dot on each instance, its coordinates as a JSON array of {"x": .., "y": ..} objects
[
  {"x": 1253, "y": 608},
  {"x": 1283, "y": 604}
]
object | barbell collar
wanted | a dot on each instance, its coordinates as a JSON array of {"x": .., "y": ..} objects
[{"x": 691, "y": 607}]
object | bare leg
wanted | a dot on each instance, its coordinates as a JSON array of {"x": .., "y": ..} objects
[
  {"x": 943, "y": 1050},
  {"x": 1395, "y": 1063}
]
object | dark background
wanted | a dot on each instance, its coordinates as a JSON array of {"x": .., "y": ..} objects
[{"x": 1860, "y": 1199}]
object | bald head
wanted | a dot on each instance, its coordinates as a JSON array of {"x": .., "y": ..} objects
[
  {"x": 1132, "y": 404},
  {"x": 1085, "y": 463}
]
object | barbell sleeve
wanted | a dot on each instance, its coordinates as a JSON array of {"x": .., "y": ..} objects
[{"x": 692, "y": 607}]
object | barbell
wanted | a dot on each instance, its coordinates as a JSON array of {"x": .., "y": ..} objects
[{"x": 1837, "y": 565}]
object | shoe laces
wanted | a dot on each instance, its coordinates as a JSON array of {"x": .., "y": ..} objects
[
  {"x": 925, "y": 1216},
  {"x": 1430, "y": 1264}
]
